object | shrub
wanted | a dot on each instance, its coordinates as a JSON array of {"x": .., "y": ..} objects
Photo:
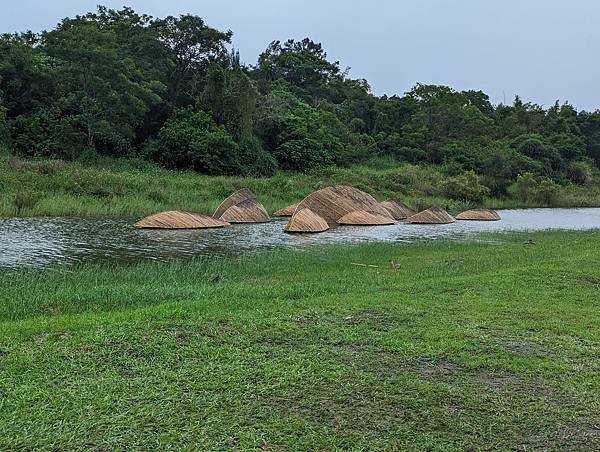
[
  {"x": 523, "y": 186},
  {"x": 546, "y": 192},
  {"x": 192, "y": 140},
  {"x": 538, "y": 189},
  {"x": 303, "y": 154},
  {"x": 466, "y": 187},
  {"x": 580, "y": 173},
  {"x": 255, "y": 160}
]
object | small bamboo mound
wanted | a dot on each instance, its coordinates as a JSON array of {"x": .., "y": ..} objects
[
  {"x": 305, "y": 220},
  {"x": 479, "y": 215},
  {"x": 242, "y": 207},
  {"x": 363, "y": 218},
  {"x": 286, "y": 211},
  {"x": 332, "y": 203},
  {"x": 249, "y": 211},
  {"x": 176, "y": 219},
  {"x": 433, "y": 215},
  {"x": 398, "y": 210}
]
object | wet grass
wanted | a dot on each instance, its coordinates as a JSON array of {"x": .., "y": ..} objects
[
  {"x": 126, "y": 188},
  {"x": 491, "y": 345}
]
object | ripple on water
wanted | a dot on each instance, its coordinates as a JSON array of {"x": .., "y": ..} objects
[{"x": 45, "y": 241}]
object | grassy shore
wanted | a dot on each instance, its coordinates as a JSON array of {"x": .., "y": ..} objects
[
  {"x": 490, "y": 345},
  {"x": 128, "y": 188}
]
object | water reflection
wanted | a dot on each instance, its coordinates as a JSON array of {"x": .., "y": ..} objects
[{"x": 44, "y": 241}]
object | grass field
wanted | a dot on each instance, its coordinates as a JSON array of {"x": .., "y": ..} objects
[
  {"x": 126, "y": 188},
  {"x": 490, "y": 345}
]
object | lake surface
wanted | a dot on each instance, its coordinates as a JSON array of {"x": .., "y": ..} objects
[{"x": 39, "y": 242}]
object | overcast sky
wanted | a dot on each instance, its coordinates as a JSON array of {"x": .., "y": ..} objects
[{"x": 543, "y": 50}]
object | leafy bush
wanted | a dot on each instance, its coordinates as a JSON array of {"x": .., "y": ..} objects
[
  {"x": 192, "y": 140},
  {"x": 303, "y": 155},
  {"x": 466, "y": 187},
  {"x": 537, "y": 148},
  {"x": 254, "y": 160},
  {"x": 580, "y": 173},
  {"x": 546, "y": 192},
  {"x": 531, "y": 188}
]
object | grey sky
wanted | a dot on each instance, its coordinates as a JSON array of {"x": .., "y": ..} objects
[{"x": 543, "y": 50}]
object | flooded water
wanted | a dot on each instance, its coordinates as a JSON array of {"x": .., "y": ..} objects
[{"x": 40, "y": 242}]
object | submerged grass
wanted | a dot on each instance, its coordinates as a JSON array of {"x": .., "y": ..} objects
[
  {"x": 491, "y": 345},
  {"x": 125, "y": 188}
]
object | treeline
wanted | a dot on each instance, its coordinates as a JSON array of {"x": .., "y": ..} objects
[{"x": 122, "y": 84}]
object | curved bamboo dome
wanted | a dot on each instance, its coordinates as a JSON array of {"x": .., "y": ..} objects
[
  {"x": 479, "y": 215},
  {"x": 433, "y": 215},
  {"x": 332, "y": 203},
  {"x": 305, "y": 220},
  {"x": 177, "y": 219},
  {"x": 249, "y": 211},
  {"x": 286, "y": 211},
  {"x": 398, "y": 210},
  {"x": 364, "y": 218},
  {"x": 242, "y": 207}
]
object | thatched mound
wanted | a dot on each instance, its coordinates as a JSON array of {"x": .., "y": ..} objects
[
  {"x": 332, "y": 203},
  {"x": 305, "y": 220},
  {"x": 235, "y": 198},
  {"x": 363, "y": 218},
  {"x": 398, "y": 210},
  {"x": 249, "y": 211},
  {"x": 433, "y": 215},
  {"x": 286, "y": 211},
  {"x": 242, "y": 207},
  {"x": 479, "y": 215},
  {"x": 176, "y": 219}
]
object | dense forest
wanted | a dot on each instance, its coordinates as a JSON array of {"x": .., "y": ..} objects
[{"x": 172, "y": 91}]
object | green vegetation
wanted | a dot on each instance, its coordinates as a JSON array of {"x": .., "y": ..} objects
[
  {"x": 463, "y": 346},
  {"x": 130, "y": 188},
  {"x": 119, "y": 84}
]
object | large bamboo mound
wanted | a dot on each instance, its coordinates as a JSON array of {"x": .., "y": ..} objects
[
  {"x": 249, "y": 211},
  {"x": 433, "y": 215},
  {"x": 479, "y": 215},
  {"x": 332, "y": 203},
  {"x": 176, "y": 219},
  {"x": 398, "y": 210},
  {"x": 286, "y": 211},
  {"x": 242, "y": 207},
  {"x": 363, "y": 218},
  {"x": 305, "y": 220}
]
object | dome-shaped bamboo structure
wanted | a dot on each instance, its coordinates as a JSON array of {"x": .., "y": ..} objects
[
  {"x": 305, "y": 220},
  {"x": 398, "y": 210},
  {"x": 479, "y": 215},
  {"x": 249, "y": 211},
  {"x": 332, "y": 203},
  {"x": 364, "y": 218},
  {"x": 433, "y": 215},
  {"x": 242, "y": 207},
  {"x": 176, "y": 219},
  {"x": 286, "y": 211}
]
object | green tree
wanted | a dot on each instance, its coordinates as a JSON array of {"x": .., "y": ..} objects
[
  {"x": 102, "y": 93},
  {"x": 303, "y": 65},
  {"x": 193, "y": 47}
]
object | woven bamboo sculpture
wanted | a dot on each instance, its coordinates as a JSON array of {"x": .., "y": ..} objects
[
  {"x": 176, "y": 219},
  {"x": 242, "y": 207}
]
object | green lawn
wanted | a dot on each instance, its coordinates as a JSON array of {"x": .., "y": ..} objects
[{"x": 492, "y": 345}]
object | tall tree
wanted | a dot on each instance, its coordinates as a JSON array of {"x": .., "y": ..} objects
[
  {"x": 101, "y": 91},
  {"x": 193, "y": 47}
]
